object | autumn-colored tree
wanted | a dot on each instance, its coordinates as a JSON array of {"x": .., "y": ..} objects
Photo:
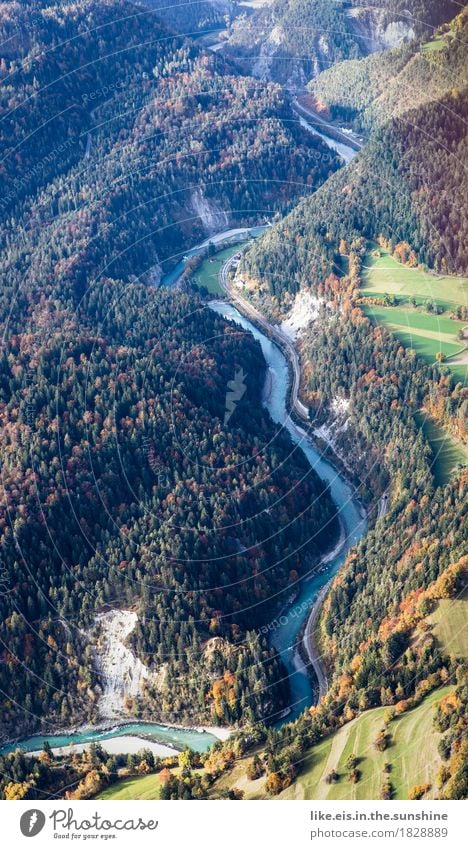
[
  {"x": 165, "y": 775},
  {"x": 418, "y": 791},
  {"x": 273, "y": 784},
  {"x": 17, "y": 790}
]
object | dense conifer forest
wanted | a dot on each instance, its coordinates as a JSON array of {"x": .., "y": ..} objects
[
  {"x": 124, "y": 486},
  {"x": 112, "y": 399},
  {"x": 291, "y": 41},
  {"x": 193, "y": 16},
  {"x": 368, "y": 92},
  {"x": 408, "y": 184}
]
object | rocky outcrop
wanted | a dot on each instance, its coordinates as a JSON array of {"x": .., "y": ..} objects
[
  {"x": 121, "y": 672},
  {"x": 377, "y": 32},
  {"x": 210, "y": 213}
]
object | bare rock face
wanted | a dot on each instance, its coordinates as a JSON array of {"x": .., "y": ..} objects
[
  {"x": 293, "y": 42},
  {"x": 211, "y": 215},
  {"x": 396, "y": 34},
  {"x": 121, "y": 672},
  {"x": 377, "y": 32}
]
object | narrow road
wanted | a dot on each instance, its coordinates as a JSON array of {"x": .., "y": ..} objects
[
  {"x": 349, "y": 139},
  {"x": 310, "y": 645},
  {"x": 273, "y": 332},
  {"x": 383, "y": 506}
]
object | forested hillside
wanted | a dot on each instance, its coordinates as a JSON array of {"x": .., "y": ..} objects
[
  {"x": 294, "y": 40},
  {"x": 371, "y": 91},
  {"x": 59, "y": 63},
  {"x": 138, "y": 93},
  {"x": 175, "y": 152},
  {"x": 114, "y": 448},
  {"x": 124, "y": 144},
  {"x": 408, "y": 184},
  {"x": 405, "y": 193},
  {"x": 193, "y": 16}
]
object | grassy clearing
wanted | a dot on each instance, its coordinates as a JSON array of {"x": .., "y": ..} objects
[
  {"x": 237, "y": 777},
  {"x": 434, "y": 46},
  {"x": 384, "y": 274},
  {"x": 427, "y": 334},
  {"x": 459, "y": 371},
  {"x": 146, "y": 787},
  {"x": 208, "y": 273},
  {"x": 412, "y": 754},
  {"x": 448, "y": 453},
  {"x": 450, "y": 621}
]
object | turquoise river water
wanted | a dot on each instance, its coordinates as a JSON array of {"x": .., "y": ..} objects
[{"x": 288, "y": 625}]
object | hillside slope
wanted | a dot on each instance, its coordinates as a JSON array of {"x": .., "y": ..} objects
[
  {"x": 122, "y": 487},
  {"x": 293, "y": 40},
  {"x": 409, "y": 183},
  {"x": 369, "y": 395},
  {"x": 370, "y": 91},
  {"x": 192, "y": 16}
]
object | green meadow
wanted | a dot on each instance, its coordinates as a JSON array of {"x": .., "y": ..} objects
[
  {"x": 384, "y": 274},
  {"x": 412, "y": 755},
  {"x": 447, "y": 452},
  {"x": 146, "y": 787},
  {"x": 450, "y": 625},
  {"x": 208, "y": 273},
  {"x": 434, "y": 46},
  {"x": 428, "y": 334}
]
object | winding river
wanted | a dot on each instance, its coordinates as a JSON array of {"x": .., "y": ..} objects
[
  {"x": 237, "y": 234},
  {"x": 285, "y": 635},
  {"x": 285, "y": 630}
]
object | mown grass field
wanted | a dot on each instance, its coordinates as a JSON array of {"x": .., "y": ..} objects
[
  {"x": 434, "y": 46},
  {"x": 448, "y": 454},
  {"x": 146, "y": 787},
  {"x": 428, "y": 334},
  {"x": 412, "y": 754},
  {"x": 426, "y": 342},
  {"x": 450, "y": 621},
  {"x": 384, "y": 274},
  {"x": 208, "y": 273}
]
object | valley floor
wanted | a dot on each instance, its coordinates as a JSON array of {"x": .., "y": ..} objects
[{"x": 412, "y": 756}]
